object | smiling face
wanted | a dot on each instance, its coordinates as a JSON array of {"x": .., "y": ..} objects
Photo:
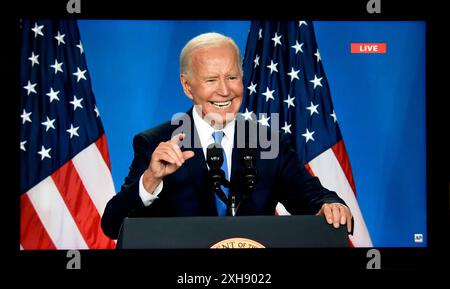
[{"x": 214, "y": 82}]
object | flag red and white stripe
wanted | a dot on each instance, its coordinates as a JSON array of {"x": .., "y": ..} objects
[{"x": 64, "y": 210}]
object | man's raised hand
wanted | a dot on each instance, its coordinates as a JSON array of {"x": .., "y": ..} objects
[{"x": 166, "y": 159}]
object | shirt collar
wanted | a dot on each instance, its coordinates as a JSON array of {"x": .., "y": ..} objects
[{"x": 205, "y": 131}]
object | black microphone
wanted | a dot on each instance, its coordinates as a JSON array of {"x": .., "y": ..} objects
[
  {"x": 214, "y": 156},
  {"x": 248, "y": 162},
  {"x": 214, "y": 159}
]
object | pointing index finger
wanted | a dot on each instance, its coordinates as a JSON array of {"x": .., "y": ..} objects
[{"x": 176, "y": 139}]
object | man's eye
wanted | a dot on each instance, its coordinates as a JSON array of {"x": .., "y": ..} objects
[
  {"x": 210, "y": 80},
  {"x": 232, "y": 77}
]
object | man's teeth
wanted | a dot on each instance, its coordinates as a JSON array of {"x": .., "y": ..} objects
[{"x": 224, "y": 104}]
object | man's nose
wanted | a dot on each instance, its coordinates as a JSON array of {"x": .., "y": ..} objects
[{"x": 223, "y": 88}]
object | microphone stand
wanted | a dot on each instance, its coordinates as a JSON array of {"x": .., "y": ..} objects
[
  {"x": 216, "y": 186},
  {"x": 214, "y": 158},
  {"x": 233, "y": 208},
  {"x": 249, "y": 175},
  {"x": 218, "y": 182}
]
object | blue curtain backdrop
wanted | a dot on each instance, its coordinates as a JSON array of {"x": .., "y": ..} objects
[{"x": 379, "y": 101}]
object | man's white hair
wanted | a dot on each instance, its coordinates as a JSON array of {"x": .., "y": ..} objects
[{"x": 205, "y": 40}]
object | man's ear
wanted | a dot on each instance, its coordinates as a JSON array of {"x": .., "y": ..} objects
[{"x": 186, "y": 86}]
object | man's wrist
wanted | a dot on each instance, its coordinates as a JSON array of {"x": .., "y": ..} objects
[
  {"x": 150, "y": 182},
  {"x": 148, "y": 198}
]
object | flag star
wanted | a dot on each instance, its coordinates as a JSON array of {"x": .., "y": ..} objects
[
  {"x": 264, "y": 120},
  {"x": 76, "y": 102},
  {"x": 25, "y": 116},
  {"x": 73, "y": 130},
  {"x": 300, "y": 23},
  {"x": 276, "y": 39},
  {"x": 316, "y": 81},
  {"x": 34, "y": 59},
  {"x": 30, "y": 87},
  {"x": 286, "y": 127},
  {"x": 252, "y": 88},
  {"x": 53, "y": 94},
  {"x": 45, "y": 153},
  {"x": 22, "y": 145},
  {"x": 247, "y": 115},
  {"x": 37, "y": 30},
  {"x": 290, "y": 101},
  {"x": 333, "y": 115},
  {"x": 260, "y": 33},
  {"x": 81, "y": 47},
  {"x": 272, "y": 66},
  {"x": 313, "y": 108},
  {"x": 97, "y": 112},
  {"x": 48, "y": 124},
  {"x": 297, "y": 47},
  {"x": 317, "y": 54},
  {"x": 80, "y": 74},
  {"x": 268, "y": 94},
  {"x": 60, "y": 38},
  {"x": 308, "y": 135},
  {"x": 293, "y": 74},
  {"x": 256, "y": 61},
  {"x": 57, "y": 66}
]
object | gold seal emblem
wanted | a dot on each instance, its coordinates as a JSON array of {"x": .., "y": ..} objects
[{"x": 237, "y": 243}]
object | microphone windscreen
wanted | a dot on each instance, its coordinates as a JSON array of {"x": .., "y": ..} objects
[
  {"x": 214, "y": 156},
  {"x": 248, "y": 157}
]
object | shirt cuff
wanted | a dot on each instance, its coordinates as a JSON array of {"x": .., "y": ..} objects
[{"x": 146, "y": 197}]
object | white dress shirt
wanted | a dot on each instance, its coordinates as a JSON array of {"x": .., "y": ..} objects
[{"x": 205, "y": 132}]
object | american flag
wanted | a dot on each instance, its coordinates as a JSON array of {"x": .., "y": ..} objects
[
  {"x": 284, "y": 74},
  {"x": 65, "y": 175}
]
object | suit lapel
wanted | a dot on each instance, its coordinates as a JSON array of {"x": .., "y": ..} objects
[{"x": 197, "y": 168}]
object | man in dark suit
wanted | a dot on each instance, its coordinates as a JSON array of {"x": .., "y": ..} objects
[{"x": 168, "y": 175}]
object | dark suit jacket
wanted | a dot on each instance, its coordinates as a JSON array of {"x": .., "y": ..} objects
[{"x": 187, "y": 192}]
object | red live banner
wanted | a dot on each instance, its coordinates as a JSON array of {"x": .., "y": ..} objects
[{"x": 368, "y": 48}]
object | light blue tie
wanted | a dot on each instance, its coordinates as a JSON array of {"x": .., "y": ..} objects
[{"x": 221, "y": 206}]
